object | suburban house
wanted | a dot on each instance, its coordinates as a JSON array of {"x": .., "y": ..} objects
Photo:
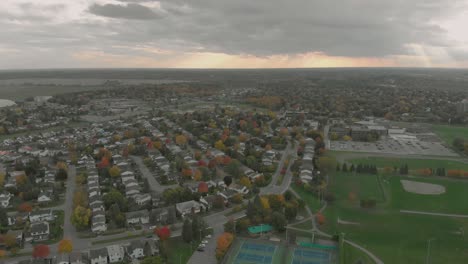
[
  {"x": 137, "y": 217},
  {"x": 79, "y": 258},
  {"x": 142, "y": 199},
  {"x": 41, "y": 215},
  {"x": 98, "y": 223},
  {"x": 98, "y": 256},
  {"x": 5, "y": 199},
  {"x": 44, "y": 197},
  {"x": 40, "y": 231},
  {"x": 115, "y": 253},
  {"x": 189, "y": 207},
  {"x": 62, "y": 259},
  {"x": 136, "y": 249},
  {"x": 150, "y": 248},
  {"x": 164, "y": 215},
  {"x": 18, "y": 234}
]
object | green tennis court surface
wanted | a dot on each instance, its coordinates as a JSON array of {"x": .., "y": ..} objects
[{"x": 311, "y": 256}]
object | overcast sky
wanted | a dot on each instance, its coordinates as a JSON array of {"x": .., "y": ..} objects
[{"x": 232, "y": 33}]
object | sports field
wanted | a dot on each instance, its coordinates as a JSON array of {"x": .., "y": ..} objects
[
  {"x": 413, "y": 164},
  {"x": 302, "y": 255},
  {"x": 393, "y": 236},
  {"x": 449, "y": 133}
]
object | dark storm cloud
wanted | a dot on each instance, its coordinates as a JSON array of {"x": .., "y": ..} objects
[{"x": 129, "y": 11}]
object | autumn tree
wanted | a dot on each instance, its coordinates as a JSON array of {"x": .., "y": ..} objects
[
  {"x": 81, "y": 217},
  {"x": 222, "y": 244},
  {"x": 202, "y": 187},
  {"x": 163, "y": 233},
  {"x": 181, "y": 140},
  {"x": 41, "y": 251},
  {"x": 114, "y": 171},
  {"x": 197, "y": 176},
  {"x": 320, "y": 218},
  {"x": 220, "y": 145},
  {"x": 9, "y": 240},
  {"x": 80, "y": 198},
  {"x": 25, "y": 207},
  {"x": 245, "y": 181},
  {"x": 65, "y": 246}
]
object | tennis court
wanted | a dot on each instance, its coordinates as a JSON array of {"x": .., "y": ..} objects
[
  {"x": 255, "y": 252},
  {"x": 302, "y": 255}
]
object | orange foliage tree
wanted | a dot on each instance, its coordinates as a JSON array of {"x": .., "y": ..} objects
[
  {"x": 25, "y": 207},
  {"x": 41, "y": 251},
  {"x": 65, "y": 246},
  {"x": 320, "y": 218},
  {"x": 223, "y": 243}
]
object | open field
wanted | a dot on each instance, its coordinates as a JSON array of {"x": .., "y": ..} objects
[
  {"x": 179, "y": 251},
  {"x": 392, "y": 236},
  {"x": 449, "y": 133},
  {"x": 413, "y": 164}
]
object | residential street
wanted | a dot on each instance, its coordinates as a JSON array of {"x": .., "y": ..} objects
[{"x": 156, "y": 187}]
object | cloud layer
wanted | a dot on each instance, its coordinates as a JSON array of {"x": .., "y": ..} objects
[{"x": 242, "y": 33}]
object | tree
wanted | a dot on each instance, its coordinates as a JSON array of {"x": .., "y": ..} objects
[
  {"x": 320, "y": 218},
  {"x": 65, "y": 246},
  {"x": 220, "y": 145},
  {"x": 233, "y": 168},
  {"x": 80, "y": 198},
  {"x": 198, "y": 228},
  {"x": 81, "y": 217},
  {"x": 202, "y": 187},
  {"x": 227, "y": 180},
  {"x": 198, "y": 175},
  {"x": 115, "y": 197},
  {"x": 163, "y": 233},
  {"x": 326, "y": 163},
  {"x": 278, "y": 221},
  {"x": 222, "y": 244},
  {"x": 41, "y": 251},
  {"x": 25, "y": 207},
  {"x": 290, "y": 212},
  {"x": 10, "y": 240},
  {"x": 3, "y": 217},
  {"x": 114, "y": 171},
  {"x": 181, "y": 140},
  {"x": 218, "y": 202},
  {"x": 230, "y": 226},
  {"x": 459, "y": 144},
  {"x": 245, "y": 181},
  {"x": 187, "y": 235},
  {"x": 61, "y": 175}
]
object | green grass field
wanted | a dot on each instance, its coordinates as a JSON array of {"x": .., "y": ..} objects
[
  {"x": 413, "y": 164},
  {"x": 449, "y": 133},
  {"x": 392, "y": 236},
  {"x": 179, "y": 251}
]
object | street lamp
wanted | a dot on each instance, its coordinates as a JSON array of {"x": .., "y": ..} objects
[{"x": 429, "y": 249}]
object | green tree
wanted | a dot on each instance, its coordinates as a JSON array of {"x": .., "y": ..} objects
[
  {"x": 196, "y": 228},
  {"x": 187, "y": 235},
  {"x": 3, "y": 218},
  {"x": 115, "y": 197},
  {"x": 81, "y": 217},
  {"x": 230, "y": 226},
  {"x": 233, "y": 168},
  {"x": 278, "y": 221},
  {"x": 290, "y": 212}
]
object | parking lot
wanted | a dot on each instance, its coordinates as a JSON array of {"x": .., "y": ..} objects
[{"x": 395, "y": 145}]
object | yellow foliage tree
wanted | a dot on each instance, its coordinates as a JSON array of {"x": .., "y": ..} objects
[
  {"x": 265, "y": 202},
  {"x": 220, "y": 145},
  {"x": 65, "y": 246},
  {"x": 114, "y": 171},
  {"x": 245, "y": 182},
  {"x": 181, "y": 139}
]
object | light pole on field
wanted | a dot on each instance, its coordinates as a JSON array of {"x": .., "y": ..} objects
[{"x": 429, "y": 249}]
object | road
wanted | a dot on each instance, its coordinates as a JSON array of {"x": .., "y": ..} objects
[
  {"x": 154, "y": 184},
  {"x": 272, "y": 187}
]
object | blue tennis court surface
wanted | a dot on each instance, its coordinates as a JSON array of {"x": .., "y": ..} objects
[
  {"x": 255, "y": 253},
  {"x": 310, "y": 256}
]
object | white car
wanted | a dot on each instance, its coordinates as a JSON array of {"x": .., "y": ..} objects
[
  {"x": 208, "y": 236},
  {"x": 205, "y": 241}
]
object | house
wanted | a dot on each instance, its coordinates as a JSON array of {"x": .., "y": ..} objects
[
  {"x": 5, "y": 199},
  {"x": 44, "y": 197},
  {"x": 142, "y": 199},
  {"x": 189, "y": 207},
  {"x": 40, "y": 231},
  {"x": 137, "y": 217},
  {"x": 115, "y": 253},
  {"x": 98, "y": 256},
  {"x": 41, "y": 215},
  {"x": 150, "y": 248},
  {"x": 63, "y": 259},
  {"x": 165, "y": 215},
  {"x": 136, "y": 249},
  {"x": 79, "y": 258},
  {"x": 98, "y": 227}
]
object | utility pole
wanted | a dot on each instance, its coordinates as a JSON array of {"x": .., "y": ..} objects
[{"x": 429, "y": 249}]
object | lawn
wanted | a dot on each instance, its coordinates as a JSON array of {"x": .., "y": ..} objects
[
  {"x": 449, "y": 133},
  {"x": 308, "y": 197},
  {"x": 413, "y": 164},
  {"x": 392, "y": 236},
  {"x": 179, "y": 251}
]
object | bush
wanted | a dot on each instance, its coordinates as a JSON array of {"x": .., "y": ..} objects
[{"x": 368, "y": 203}]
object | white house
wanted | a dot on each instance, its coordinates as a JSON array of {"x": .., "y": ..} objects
[
  {"x": 98, "y": 256},
  {"x": 136, "y": 249},
  {"x": 115, "y": 253},
  {"x": 41, "y": 215},
  {"x": 40, "y": 231},
  {"x": 5, "y": 199},
  {"x": 189, "y": 207},
  {"x": 44, "y": 197},
  {"x": 137, "y": 217}
]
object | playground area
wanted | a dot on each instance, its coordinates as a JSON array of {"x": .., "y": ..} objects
[{"x": 249, "y": 251}]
